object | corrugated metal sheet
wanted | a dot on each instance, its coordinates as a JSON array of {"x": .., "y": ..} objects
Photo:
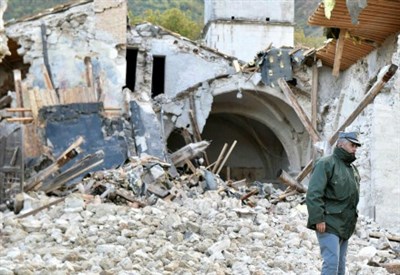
[{"x": 376, "y": 22}]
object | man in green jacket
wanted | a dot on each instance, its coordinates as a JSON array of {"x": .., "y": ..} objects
[{"x": 332, "y": 198}]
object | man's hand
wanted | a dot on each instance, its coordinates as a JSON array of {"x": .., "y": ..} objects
[{"x": 321, "y": 227}]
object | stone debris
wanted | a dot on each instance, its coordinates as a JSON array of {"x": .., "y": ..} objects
[{"x": 205, "y": 232}]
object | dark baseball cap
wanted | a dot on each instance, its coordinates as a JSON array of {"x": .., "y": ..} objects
[{"x": 350, "y": 136}]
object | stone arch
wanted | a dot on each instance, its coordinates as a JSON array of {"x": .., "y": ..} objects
[{"x": 255, "y": 108}]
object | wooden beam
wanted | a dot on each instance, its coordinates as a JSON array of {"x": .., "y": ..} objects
[
  {"x": 339, "y": 52},
  {"x": 390, "y": 237},
  {"x": 122, "y": 194},
  {"x": 385, "y": 76},
  {"x": 226, "y": 157},
  {"x": 71, "y": 152},
  {"x": 249, "y": 194},
  {"x": 33, "y": 103},
  {"x": 298, "y": 109},
  {"x": 19, "y": 119},
  {"x": 392, "y": 268},
  {"x": 221, "y": 155},
  {"x": 80, "y": 167},
  {"x": 47, "y": 80},
  {"x": 314, "y": 96},
  {"x": 16, "y": 110},
  {"x": 37, "y": 210},
  {"x": 18, "y": 90},
  {"x": 285, "y": 178},
  {"x": 190, "y": 166}
]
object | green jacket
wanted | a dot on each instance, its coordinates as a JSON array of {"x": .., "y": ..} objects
[{"x": 333, "y": 194}]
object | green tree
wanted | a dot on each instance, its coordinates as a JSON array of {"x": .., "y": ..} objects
[
  {"x": 309, "y": 41},
  {"x": 172, "y": 19}
]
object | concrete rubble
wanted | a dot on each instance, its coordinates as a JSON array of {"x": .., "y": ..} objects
[{"x": 198, "y": 233}]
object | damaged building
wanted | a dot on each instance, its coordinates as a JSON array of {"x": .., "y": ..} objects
[{"x": 78, "y": 70}]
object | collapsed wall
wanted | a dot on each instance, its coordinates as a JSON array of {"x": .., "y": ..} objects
[
  {"x": 202, "y": 81},
  {"x": 61, "y": 39},
  {"x": 378, "y": 157},
  {"x": 3, "y": 39}
]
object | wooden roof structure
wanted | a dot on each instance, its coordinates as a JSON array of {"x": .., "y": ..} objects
[{"x": 377, "y": 21}]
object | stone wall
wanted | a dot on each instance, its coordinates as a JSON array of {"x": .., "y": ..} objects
[
  {"x": 3, "y": 39},
  {"x": 72, "y": 35}
]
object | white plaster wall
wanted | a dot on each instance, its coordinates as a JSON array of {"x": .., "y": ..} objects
[
  {"x": 183, "y": 68},
  {"x": 378, "y": 159},
  {"x": 280, "y": 11},
  {"x": 385, "y": 161},
  {"x": 186, "y": 63},
  {"x": 244, "y": 40}
]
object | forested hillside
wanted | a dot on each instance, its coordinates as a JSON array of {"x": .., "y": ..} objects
[{"x": 189, "y": 13}]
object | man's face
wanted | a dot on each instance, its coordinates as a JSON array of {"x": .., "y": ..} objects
[{"x": 350, "y": 147}]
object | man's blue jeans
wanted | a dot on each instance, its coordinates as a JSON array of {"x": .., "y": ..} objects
[{"x": 333, "y": 252}]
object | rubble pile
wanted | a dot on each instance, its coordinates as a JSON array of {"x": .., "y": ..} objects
[{"x": 202, "y": 233}]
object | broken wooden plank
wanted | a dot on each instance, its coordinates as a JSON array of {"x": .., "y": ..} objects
[
  {"x": 285, "y": 178},
  {"x": 71, "y": 152},
  {"x": 48, "y": 83},
  {"x": 249, "y": 194},
  {"x": 16, "y": 110},
  {"x": 339, "y": 52},
  {"x": 299, "y": 110},
  {"x": 190, "y": 166},
  {"x": 122, "y": 194},
  {"x": 80, "y": 167},
  {"x": 385, "y": 76},
  {"x": 284, "y": 195},
  {"x": 390, "y": 237},
  {"x": 53, "y": 97},
  {"x": 37, "y": 210},
  {"x": 314, "y": 96},
  {"x": 392, "y": 268},
  {"x": 34, "y": 104},
  {"x": 221, "y": 155},
  {"x": 226, "y": 157},
  {"x": 19, "y": 119},
  {"x": 18, "y": 89}
]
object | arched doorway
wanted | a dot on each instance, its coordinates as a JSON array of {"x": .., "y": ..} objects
[{"x": 268, "y": 132}]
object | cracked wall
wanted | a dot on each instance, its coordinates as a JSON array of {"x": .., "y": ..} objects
[
  {"x": 379, "y": 157},
  {"x": 203, "y": 80},
  {"x": 86, "y": 30}
]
